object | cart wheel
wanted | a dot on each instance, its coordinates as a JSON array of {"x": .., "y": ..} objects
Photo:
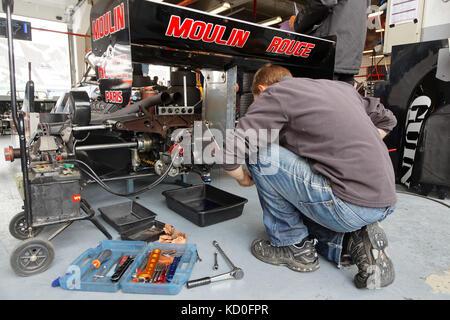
[
  {"x": 423, "y": 189},
  {"x": 18, "y": 227},
  {"x": 442, "y": 193},
  {"x": 32, "y": 256}
]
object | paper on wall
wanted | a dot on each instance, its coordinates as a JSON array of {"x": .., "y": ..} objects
[{"x": 403, "y": 11}]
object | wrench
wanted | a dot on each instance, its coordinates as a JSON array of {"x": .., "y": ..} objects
[
  {"x": 216, "y": 265},
  {"x": 236, "y": 273}
]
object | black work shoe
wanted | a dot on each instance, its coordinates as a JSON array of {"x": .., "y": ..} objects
[
  {"x": 367, "y": 250},
  {"x": 302, "y": 258}
]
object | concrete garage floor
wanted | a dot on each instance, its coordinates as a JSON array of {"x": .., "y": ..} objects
[{"x": 418, "y": 232}]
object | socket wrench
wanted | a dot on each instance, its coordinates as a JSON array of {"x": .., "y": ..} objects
[{"x": 235, "y": 273}]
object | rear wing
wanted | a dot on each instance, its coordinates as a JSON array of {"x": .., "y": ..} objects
[{"x": 139, "y": 31}]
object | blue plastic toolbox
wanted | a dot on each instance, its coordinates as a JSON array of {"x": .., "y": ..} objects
[
  {"x": 188, "y": 255},
  {"x": 71, "y": 280}
]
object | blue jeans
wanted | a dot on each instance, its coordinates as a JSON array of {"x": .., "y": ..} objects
[{"x": 298, "y": 203}]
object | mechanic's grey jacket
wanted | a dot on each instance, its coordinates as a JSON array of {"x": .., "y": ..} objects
[
  {"x": 347, "y": 19},
  {"x": 331, "y": 125}
]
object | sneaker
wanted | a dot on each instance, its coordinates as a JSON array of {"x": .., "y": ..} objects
[
  {"x": 367, "y": 250},
  {"x": 301, "y": 258}
]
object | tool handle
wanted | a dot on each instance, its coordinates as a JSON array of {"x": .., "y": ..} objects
[
  {"x": 101, "y": 258},
  {"x": 151, "y": 265},
  {"x": 216, "y": 244},
  {"x": 172, "y": 269},
  {"x": 197, "y": 283},
  {"x": 121, "y": 268}
]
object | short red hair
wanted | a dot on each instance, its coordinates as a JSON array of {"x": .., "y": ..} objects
[{"x": 268, "y": 75}]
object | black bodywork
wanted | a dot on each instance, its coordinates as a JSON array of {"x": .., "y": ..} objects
[
  {"x": 420, "y": 141},
  {"x": 144, "y": 39}
]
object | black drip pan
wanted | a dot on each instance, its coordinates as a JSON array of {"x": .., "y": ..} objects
[
  {"x": 204, "y": 204},
  {"x": 148, "y": 231},
  {"x": 126, "y": 215}
]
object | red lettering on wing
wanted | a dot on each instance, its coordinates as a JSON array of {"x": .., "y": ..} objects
[
  {"x": 206, "y": 32},
  {"x": 103, "y": 25},
  {"x": 240, "y": 38},
  {"x": 178, "y": 30},
  {"x": 290, "y": 47},
  {"x": 275, "y": 44},
  {"x": 197, "y": 30}
]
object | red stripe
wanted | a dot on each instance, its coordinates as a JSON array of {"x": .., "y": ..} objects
[
  {"x": 62, "y": 32},
  {"x": 370, "y": 75}
]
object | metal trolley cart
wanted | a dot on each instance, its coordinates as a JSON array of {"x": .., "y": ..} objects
[{"x": 51, "y": 189}]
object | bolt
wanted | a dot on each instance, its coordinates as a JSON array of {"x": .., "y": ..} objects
[{"x": 216, "y": 265}]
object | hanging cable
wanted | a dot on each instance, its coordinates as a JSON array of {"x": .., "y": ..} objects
[
  {"x": 91, "y": 174},
  {"x": 76, "y": 141},
  {"x": 97, "y": 179}
]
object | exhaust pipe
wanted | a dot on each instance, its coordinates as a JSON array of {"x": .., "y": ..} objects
[
  {"x": 162, "y": 98},
  {"x": 159, "y": 99},
  {"x": 176, "y": 98}
]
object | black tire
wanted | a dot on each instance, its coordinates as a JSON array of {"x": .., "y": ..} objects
[
  {"x": 18, "y": 227},
  {"x": 422, "y": 189},
  {"x": 442, "y": 193},
  {"x": 32, "y": 256},
  {"x": 176, "y": 78},
  {"x": 244, "y": 102}
]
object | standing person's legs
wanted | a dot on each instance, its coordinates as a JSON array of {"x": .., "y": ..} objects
[{"x": 297, "y": 202}]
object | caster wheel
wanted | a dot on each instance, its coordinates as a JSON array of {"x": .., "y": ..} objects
[
  {"x": 423, "y": 189},
  {"x": 18, "y": 227},
  {"x": 32, "y": 256},
  {"x": 442, "y": 193}
]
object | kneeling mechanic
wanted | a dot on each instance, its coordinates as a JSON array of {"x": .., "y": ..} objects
[{"x": 324, "y": 180}]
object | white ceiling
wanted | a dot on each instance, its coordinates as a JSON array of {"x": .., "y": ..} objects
[
  {"x": 42, "y": 9},
  {"x": 51, "y": 3}
]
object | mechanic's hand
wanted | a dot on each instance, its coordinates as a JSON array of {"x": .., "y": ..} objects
[
  {"x": 291, "y": 23},
  {"x": 246, "y": 180},
  {"x": 383, "y": 133}
]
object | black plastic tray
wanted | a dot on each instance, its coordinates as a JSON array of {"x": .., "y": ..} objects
[
  {"x": 204, "y": 204},
  {"x": 148, "y": 231},
  {"x": 126, "y": 215}
]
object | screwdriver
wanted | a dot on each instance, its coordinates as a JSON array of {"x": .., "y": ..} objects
[
  {"x": 105, "y": 255},
  {"x": 173, "y": 267}
]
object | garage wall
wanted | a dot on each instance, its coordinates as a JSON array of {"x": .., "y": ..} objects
[
  {"x": 81, "y": 25},
  {"x": 436, "y": 20},
  {"x": 49, "y": 57}
]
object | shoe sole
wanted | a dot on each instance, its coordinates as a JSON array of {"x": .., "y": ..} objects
[
  {"x": 377, "y": 236},
  {"x": 290, "y": 266},
  {"x": 383, "y": 273}
]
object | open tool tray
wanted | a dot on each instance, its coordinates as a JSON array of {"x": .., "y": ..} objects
[
  {"x": 188, "y": 254},
  {"x": 126, "y": 215},
  {"x": 204, "y": 204},
  {"x": 71, "y": 280}
]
